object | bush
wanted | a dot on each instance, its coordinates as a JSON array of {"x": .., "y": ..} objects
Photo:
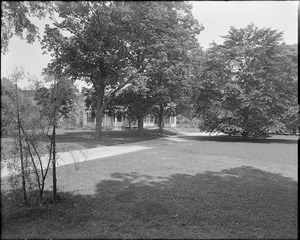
[
  {"x": 69, "y": 127},
  {"x": 88, "y": 127},
  {"x": 184, "y": 122},
  {"x": 108, "y": 128}
]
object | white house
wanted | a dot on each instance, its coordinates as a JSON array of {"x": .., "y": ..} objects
[{"x": 119, "y": 121}]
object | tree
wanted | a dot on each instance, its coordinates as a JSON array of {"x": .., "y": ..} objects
[
  {"x": 169, "y": 58},
  {"x": 26, "y": 126},
  {"x": 95, "y": 51},
  {"x": 289, "y": 66},
  {"x": 58, "y": 101},
  {"x": 135, "y": 102},
  {"x": 16, "y": 76},
  {"x": 15, "y": 19},
  {"x": 113, "y": 43},
  {"x": 65, "y": 94},
  {"x": 245, "y": 83},
  {"x": 171, "y": 78},
  {"x": 7, "y": 96}
]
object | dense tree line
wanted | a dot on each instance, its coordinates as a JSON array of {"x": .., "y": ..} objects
[{"x": 144, "y": 57}]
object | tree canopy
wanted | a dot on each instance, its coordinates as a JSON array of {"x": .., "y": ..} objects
[
  {"x": 62, "y": 94},
  {"x": 112, "y": 43},
  {"x": 15, "y": 20},
  {"x": 247, "y": 83}
]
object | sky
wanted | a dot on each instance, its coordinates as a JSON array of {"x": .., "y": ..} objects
[{"x": 216, "y": 16}]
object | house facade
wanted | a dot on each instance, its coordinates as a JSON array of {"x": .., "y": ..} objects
[
  {"x": 82, "y": 118},
  {"x": 119, "y": 121}
]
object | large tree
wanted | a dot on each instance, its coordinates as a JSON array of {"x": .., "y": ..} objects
[
  {"x": 169, "y": 56},
  {"x": 289, "y": 66},
  {"x": 112, "y": 43},
  {"x": 246, "y": 83},
  {"x": 94, "y": 51},
  {"x": 171, "y": 79}
]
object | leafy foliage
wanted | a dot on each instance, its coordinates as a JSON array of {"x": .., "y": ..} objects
[
  {"x": 15, "y": 19},
  {"x": 63, "y": 95},
  {"x": 110, "y": 44},
  {"x": 28, "y": 153},
  {"x": 247, "y": 83}
]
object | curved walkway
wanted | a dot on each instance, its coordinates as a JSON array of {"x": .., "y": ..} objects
[
  {"x": 65, "y": 158},
  {"x": 83, "y": 155}
]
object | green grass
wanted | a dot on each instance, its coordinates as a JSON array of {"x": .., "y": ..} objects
[
  {"x": 69, "y": 140},
  {"x": 169, "y": 192},
  {"x": 85, "y": 139}
]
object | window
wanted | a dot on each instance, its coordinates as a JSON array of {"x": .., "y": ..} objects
[
  {"x": 172, "y": 120},
  {"x": 119, "y": 117},
  {"x": 89, "y": 118}
]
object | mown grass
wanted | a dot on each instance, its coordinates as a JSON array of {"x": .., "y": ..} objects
[
  {"x": 237, "y": 203},
  {"x": 71, "y": 140},
  {"x": 149, "y": 202}
]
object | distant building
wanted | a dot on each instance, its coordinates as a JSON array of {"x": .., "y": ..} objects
[
  {"x": 82, "y": 118},
  {"x": 119, "y": 121}
]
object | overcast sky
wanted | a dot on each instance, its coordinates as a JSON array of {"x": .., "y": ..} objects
[
  {"x": 218, "y": 16},
  {"x": 215, "y": 16}
]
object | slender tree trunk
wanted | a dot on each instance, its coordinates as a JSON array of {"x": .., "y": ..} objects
[
  {"x": 54, "y": 163},
  {"x": 161, "y": 119},
  {"x": 22, "y": 162},
  {"x": 245, "y": 133},
  {"x": 21, "y": 149},
  {"x": 54, "y": 144},
  {"x": 140, "y": 125}
]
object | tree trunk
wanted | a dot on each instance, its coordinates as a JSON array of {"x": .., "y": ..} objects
[
  {"x": 99, "y": 113},
  {"x": 161, "y": 119},
  {"x": 140, "y": 125},
  {"x": 22, "y": 163},
  {"x": 21, "y": 150},
  {"x": 245, "y": 135},
  {"x": 54, "y": 162},
  {"x": 98, "y": 133}
]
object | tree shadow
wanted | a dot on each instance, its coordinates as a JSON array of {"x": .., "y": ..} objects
[
  {"x": 227, "y": 138},
  {"x": 110, "y": 138},
  {"x": 241, "y": 202}
]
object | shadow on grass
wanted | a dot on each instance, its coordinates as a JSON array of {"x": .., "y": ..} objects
[
  {"x": 226, "y": 138},
  {"x": 110, "y": 138},
  {"x": 241, "y": 202}
]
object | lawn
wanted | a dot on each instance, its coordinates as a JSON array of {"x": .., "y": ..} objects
[
  {"x": 74, "y": 140},
  {"x": 188, "y": 187}
]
